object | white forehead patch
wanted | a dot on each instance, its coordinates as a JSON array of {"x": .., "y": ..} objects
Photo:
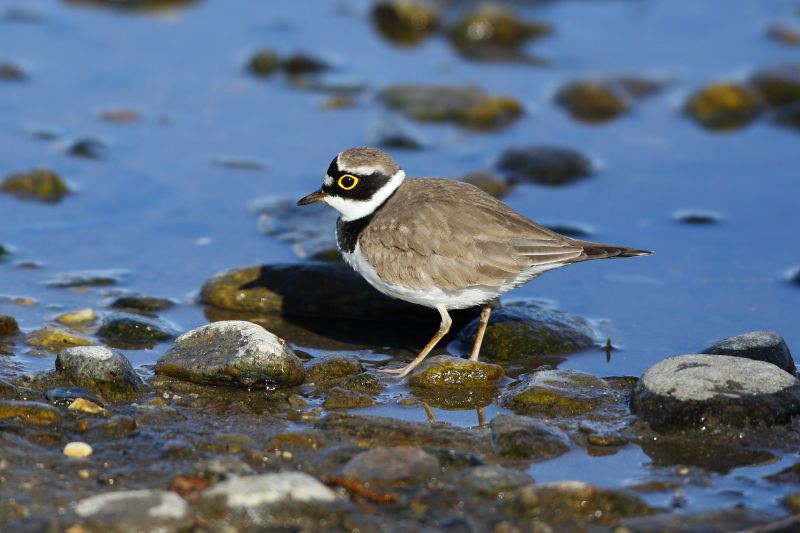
[{"x": 328, "y": 181}]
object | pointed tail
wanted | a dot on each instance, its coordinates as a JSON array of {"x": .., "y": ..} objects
[{"x": 594, "y": 250}]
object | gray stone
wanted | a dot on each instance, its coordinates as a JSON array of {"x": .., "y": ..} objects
[
  {"x": 101, "y": 370},
  {"x": 236, "y": 353},
  {"x": 284, "y": 499},
  {"x": 134, "y": 510},
  {"x": 531, "y": 328},
  {"x": 521, "y": 437},
  {"x": 758, "y": 345},
  {"x": 707, "y": 391},
  {"x": 396, "y": 464},
  {"x": 223, "y": 467},
  {"x": 491, "y": 480}
]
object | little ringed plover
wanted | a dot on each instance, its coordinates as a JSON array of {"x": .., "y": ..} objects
[{"x": 439, "y": 243}]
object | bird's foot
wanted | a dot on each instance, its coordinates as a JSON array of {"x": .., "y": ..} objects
[{"x": 398, "y": 372}]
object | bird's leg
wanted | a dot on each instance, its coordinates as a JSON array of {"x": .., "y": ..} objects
[
  {"x": 486, "y": 310},
  {"x": 444, "y": 327}
]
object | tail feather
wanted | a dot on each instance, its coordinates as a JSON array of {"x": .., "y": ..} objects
[{"x": 594, "y": 250}]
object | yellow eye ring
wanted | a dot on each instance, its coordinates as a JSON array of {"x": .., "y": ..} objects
[{"x": 347, "y": 181}]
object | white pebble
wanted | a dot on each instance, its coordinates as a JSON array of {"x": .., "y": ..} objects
[{"x": 78, "y": 449}]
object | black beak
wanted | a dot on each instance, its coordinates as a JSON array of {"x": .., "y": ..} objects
[{"x": 315, "y": 196}]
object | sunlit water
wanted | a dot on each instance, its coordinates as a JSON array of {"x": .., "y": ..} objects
[{"x": 155, "y": 206}]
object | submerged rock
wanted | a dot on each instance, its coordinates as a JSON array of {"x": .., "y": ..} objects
[
  {"x": 11, "y": 72},
  {"x": 697, "y": 216},
  {"x": 448, "y": 372},
  {"x": 778, "y": 86},
  {"x": 134, "y": 510},
  {"x": 308, "y": 228},
  {"x": 141, "y": 302},
  {"x": 340, "y": 398},
  {"x": 86, "y": 278},
  {"x": 691, "y": 392},
  {"x": 278, "y": 500},
  {"x": 724, "y": 106},
  {"x": 488, "y": 182},
  {"x": 570, "y": 501},
  {"x": 469, "y": 107},
  {"x": 42, "y": 185},
  {"x": 329, "y": 369},
  {"x": 523, "y": 329},
  {"x": 65, "y": 396},
  {"x": 36, "y": 413},
  {"x": 264, "y": 63},
  {"x": 405, "y": 22},
  {"x": 87, "y": 147},
  {"x": 134, "y": 330},
  {"x": 317, "y": 290},
  {"x": 491, "y": 480},
  {"x": 8, "y": 326},
  {"x": 793, "y": 276},
  {"x": 521, "y": 437},
  {"x": 544, "y": 165},
  {"x": 392, "y": 465},
  {"x": 604, "y": 99},
  {"x": 101, "y": 370},
  {"x": 233, "y": 353},
  {"x": 55, "y": 339},
  {"x": 3, "y": 252},
  {"x": 558, "y": 393},
  {"x": 757, "y": 345},
  {"x": 137, "y": 5}
]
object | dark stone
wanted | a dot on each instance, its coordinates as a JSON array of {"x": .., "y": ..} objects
[
  {"x": 404, "y": 22},
  {"x": 135, "y": 330},
  {"x": 757, "y": 345},
  {"x": 141, "y": 302},
  {"x": 724, "y": 106},
  {"x": 544, "y": 165},
  {"x": 712, "y": 521},
  {"x": 778, "y": 86},
  {"x": 339, "y": 398},
  {"x": 322, "y": 371},
  {"x": 264, "y": 63},
  {"x": 697, "y": 216},
  {"x": 8, "y": 326},
  {"x": 393, "y": 465},
  {"x": 492, "y": 480},
  {"x": 41, "y": 185},
  {"x": 64, "y": 396},
  {"x": 86, "y": 278}
]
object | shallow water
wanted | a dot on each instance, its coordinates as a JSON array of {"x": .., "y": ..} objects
[{"x": 155, "y": 205}]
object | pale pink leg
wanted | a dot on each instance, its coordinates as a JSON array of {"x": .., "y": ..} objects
[
  {"x": 444, "y": 327},
  {"x": 486, "y": 310}
]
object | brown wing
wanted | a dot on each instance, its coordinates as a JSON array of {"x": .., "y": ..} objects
[{"x": 453, "y": 235}]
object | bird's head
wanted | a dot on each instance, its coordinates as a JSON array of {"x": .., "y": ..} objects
[{"x": 358, "y": 181}]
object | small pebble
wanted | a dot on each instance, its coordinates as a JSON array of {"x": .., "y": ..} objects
[
  {"x": 697, "y": 216},
  {"x": 87, "y": 406},
  {"x": 78, "y": 449},
  {"x": 80, "y": 317}
]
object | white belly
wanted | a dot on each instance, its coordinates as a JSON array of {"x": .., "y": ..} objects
[{"x": 436, "y": 297}]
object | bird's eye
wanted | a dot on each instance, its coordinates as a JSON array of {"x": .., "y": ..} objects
[{"x": 347, "y": 181}]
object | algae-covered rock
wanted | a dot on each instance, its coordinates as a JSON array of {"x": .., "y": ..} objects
[
  {"x": 523, "y": 329},
  {"x": 488, "y": 182},
  {"x": 318, "y": 290},
  {"x": 757, "y": 345},
  {"x": 264, "y": 63},
  {"x": 145, "y": 6},
  {"x": 493, "y": 32},
  {"x": 544, "y": 165},
  {"x": 4, "y": 253},
  {"x": 558, "y": 393},
  {"x": 521, "y": 437},
  {"x": 142, "y": 302},
  {"x": 778, "y": 86},
  {"x": 233, "y": 353},
  {"x": 8, "y": 325},
  {"x": 37, "y": 413},
  {"x": 364, "y": 383},
  {"x": 724, "y": 106},
  {"x": 448, "y": 372},
  {"x": 332, "y": 368},
  {"x": 134, "y": 330},
  {"x": 101, "y": 370},
  {"x": 392, "y": 465},
  {"x": 593, "y": 101},
  {"x": 339, "y": 398},
  {"x": 41, "y": 184},
  {"x": 699, "y": 391},
  {"x": 469, "y": 107},
  {"x": 405, "y": 22},
  {"x": 55, "y": 339},
  {"x": 567, "y": 502}
]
